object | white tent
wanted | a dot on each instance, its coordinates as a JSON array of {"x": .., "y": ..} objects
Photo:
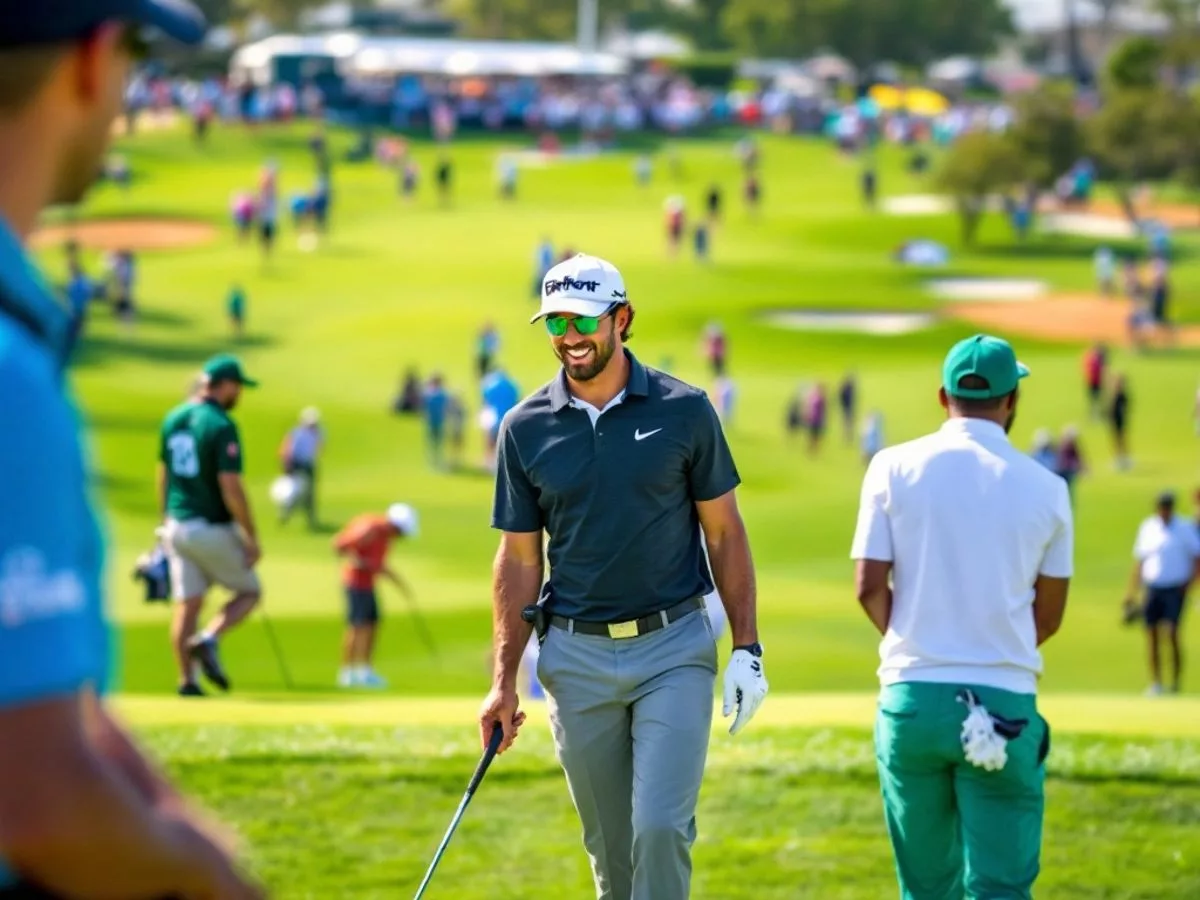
[{"x": 356, "y": 55}]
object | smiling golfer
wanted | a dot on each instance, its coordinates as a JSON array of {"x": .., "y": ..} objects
[
  {"x": 620, "y": 465},
  {"x": 978, "y": 539}
]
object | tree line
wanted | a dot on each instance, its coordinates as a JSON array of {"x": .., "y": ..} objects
[
  {"x": 906, "y": 32},
  {"x": 1145, "y": 127}
]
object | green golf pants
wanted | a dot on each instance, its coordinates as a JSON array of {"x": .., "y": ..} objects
[{"x": 958, "y": 830}]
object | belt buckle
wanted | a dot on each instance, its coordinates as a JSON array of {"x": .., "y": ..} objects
[{"x": 621, "y": 630}]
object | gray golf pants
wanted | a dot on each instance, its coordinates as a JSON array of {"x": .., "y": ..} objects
[{"x": 631, "y": 720}]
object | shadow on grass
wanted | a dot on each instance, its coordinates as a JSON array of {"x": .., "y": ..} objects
[
  {"x": 1072, "y": 249},
  {"x": 97, "y": 350}
]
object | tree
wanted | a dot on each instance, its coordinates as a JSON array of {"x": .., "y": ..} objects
[
  {"x": 1047, "y": 133},
  {"x": 1136, "y": 64},
  {"x": 979, "y": 165},
  {"x": 1141, "y": 134}
]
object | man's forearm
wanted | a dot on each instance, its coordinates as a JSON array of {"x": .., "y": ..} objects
[
  {"x": 92, "y": 836},
  {"x": 878, "y": 607},
  {"x": 1135, "y": 580},
  {"x": 733, "y": 570},
  {"x": 114, "y": 744},
  {"x": 515, "y": 586},
  {"x": 239, "y": 507}
]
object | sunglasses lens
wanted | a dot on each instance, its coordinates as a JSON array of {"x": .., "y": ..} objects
[
  {"x": 587, "y": 324},
  {"x": 556, "y": 325}
]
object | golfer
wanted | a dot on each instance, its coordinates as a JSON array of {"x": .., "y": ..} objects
[
  {"x": 364, "y": 544},
  {"x": 83, "y": 814},
  {"x": 1166, "y": 563},
  {"x": 299, "y": 454},
  {"x": 208, "y": 526},
  {"x": 622, "y": 466},
  {"x": 977, "y": 539}
]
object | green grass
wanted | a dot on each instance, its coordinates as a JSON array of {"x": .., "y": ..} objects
[{"x": 354, "y": 809}]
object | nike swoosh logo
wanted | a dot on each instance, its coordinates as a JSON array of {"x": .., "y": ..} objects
[{"x": 638, "y": 436}]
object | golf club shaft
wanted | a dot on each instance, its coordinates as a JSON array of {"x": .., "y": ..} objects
[
  {"x": 480, "y": 770},
  {"x": 283, "y": 667},
  {"x": 441, "y": 850},
  {"x": 422, "y": 628}
]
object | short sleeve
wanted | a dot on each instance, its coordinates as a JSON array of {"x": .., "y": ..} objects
[
  {"x": 1140, "y": 548},
  {"x": 1059, "y": 559},
  {"x": 48, "y": 638},
  {"x": 873, "y": 532},
  {"x": 515, "y": 508},
  {"x": 711, "y": 473},
  {"x": 229, "y": 450}
]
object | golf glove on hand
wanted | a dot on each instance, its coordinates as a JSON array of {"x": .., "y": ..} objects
[{"x": 745, "y": 688}]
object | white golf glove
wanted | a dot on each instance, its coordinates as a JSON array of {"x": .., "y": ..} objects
[{"x": 745, "y": 688}]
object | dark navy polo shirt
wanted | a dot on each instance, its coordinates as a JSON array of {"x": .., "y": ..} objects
[{"x": 618, "y": 500}]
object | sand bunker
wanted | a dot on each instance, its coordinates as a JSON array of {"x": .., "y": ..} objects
[
  {"x": 128, "y": 234},
  {"x": 917, "y": 205},
  {"x": 993, "y": 290},
  {"x": 1065, "y": 317},
  {"x": 876, "y": 323},
  {"x": 1173, "y": 215},
  {"x": 1088, "y": 225}
]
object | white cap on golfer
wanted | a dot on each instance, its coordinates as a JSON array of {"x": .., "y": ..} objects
[
  {"x": 310, "y": 415},
  {"x": 583, "y": 286},
  {"x": 404, "y": 518}
]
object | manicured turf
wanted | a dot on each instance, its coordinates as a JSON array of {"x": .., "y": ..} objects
[{"x": 353, "y": 810}]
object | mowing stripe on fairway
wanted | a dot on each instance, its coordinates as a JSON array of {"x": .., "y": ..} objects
[{"x": 1068, "y": 713}]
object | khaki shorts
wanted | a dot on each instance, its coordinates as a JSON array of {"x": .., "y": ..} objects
[{"x": 202, "y": 555}]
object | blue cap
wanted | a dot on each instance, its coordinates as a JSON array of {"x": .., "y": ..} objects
[{"x": 54, "y": 21}]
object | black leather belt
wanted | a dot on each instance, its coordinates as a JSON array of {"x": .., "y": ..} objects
[{"x": 632, "y": 627}]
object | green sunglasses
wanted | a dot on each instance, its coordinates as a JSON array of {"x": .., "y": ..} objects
[{"x": 585, "y": 325}]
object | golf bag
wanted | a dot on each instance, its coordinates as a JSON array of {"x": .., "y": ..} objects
[
  {"x": 289, "y": 492},
  {"x": 154, "y": 572}
]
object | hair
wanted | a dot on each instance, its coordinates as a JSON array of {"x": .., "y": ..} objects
[
  {"x": 976, "y": 406},
  {"x": 627, "y": 331},
  {"x": 24, "y": 71}
]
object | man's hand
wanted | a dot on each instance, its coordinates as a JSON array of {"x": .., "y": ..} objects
[
  {"x": 216, "y": 876},
  {"x": 745, "y": 688},
  {"x": 253, "y": 552},
  {"x": 501, "y": 705}
]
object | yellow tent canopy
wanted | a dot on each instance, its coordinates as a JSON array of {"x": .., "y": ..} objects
[{"x": 918, "y": 101}]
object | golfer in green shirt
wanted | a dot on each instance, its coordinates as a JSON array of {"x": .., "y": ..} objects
[{"x": 208, "y": 528}]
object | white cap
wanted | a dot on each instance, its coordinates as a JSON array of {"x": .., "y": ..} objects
[
  {"x": 404, "y": 517},
  {"x": 310, "y": 415},
  {"x": 582, "y": 286}
]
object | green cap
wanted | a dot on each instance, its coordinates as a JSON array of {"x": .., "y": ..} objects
[
  {"x": 227, "y": 368},
  {"x": 990, "y": 358}
]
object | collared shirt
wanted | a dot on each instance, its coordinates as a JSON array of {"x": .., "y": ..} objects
[
  {"x": 1167, "y": 552},
  {"x": 306, "y": 444},
  {"x": 969, "y": 523},
  {"x": 53, "y": 634},
  {"x": 618, "y": 497}
]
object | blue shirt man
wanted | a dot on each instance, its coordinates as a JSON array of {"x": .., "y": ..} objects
[
  {"x": 83, "y": 814},
  {"x": 500, "y": 394},
  {"x": 53, "y": 636}
]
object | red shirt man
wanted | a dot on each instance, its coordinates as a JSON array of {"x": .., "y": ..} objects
[{"x": 364, "y": 544}]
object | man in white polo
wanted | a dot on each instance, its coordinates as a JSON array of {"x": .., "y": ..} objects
[
  {"x": 977, "y": 540},
  {"x": 1166, "y": 562}
]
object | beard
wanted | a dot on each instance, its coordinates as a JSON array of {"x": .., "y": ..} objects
[{"x": 590, "y": 366}]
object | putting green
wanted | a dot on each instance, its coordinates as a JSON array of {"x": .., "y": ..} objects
[{"x": 1068, "y": 713}]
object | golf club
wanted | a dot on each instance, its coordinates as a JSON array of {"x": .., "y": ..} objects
[
  {"x": 422, "y": 628},
  {"x": 287, "y": 676},
  {"x": 488, "y": 755}
]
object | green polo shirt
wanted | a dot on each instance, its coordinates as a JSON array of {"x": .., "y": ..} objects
[
  {"x": 618, "y": 500},
  {"x": 199, "y": 442}
]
